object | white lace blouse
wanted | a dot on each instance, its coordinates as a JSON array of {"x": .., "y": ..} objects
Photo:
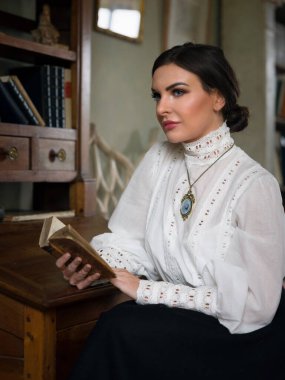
[{"x": 227, "y": 258}]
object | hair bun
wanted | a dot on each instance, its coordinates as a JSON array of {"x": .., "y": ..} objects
[{"x": 237, "y": 118}]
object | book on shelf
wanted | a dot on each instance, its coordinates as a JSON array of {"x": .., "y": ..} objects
[
  {"x": 61, "y": 104},
  {"x": 46, "y": 87},
  {"x": 9, "y": 110},
  {"x": 57, "y": 98},
  {"x": 57, "y": 238},
  {"x": 22, "y": 99},
  {"x": 37, "y": 83},
  {"x": 67, "y": 98}
]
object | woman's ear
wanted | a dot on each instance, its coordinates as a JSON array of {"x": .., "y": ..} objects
[{"x": 218, "y": 101}]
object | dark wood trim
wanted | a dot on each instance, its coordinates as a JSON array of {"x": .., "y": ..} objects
[
  {"x": 34, "y": 131},
  {"x": 35, "y": 48}
]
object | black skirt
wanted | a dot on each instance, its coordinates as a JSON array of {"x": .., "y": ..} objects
[{"x": 155, "y": 342}]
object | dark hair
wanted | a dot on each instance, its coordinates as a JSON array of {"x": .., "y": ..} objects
[{"x": 215, "y": 72}]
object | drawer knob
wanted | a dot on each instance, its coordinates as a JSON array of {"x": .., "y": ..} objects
[
  {"x": 12, "y": 153},
  {"x": 60, "y": 155}
]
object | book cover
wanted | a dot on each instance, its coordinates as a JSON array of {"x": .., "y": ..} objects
[
  {"x": 54, "y": 96},
  {"x": 67, "y": 98},
  {"x": 20, "y": 100},
  {"x": 37, "y": 83},
  {"x": 61, "y": 100},
  {"x": 57, "y": 96},
  {"x": 57, "y": 238},
  {"x": 9, "y": 110},
  {"x": 25, "y": 95}
]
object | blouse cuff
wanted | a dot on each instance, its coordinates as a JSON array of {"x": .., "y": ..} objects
[
  {"x": 203, "y": 298},
  {"x": 117, "y": 259}
]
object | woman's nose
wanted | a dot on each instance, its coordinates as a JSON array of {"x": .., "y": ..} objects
[{"x": 163, "y": 106}]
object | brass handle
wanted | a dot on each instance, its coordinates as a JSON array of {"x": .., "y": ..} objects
[
  {"x": 60, "y": 155},
  {"x": 12, "y": 153}
]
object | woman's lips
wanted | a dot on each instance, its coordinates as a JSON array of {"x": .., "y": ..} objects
[{"x": 169, "y": 125}]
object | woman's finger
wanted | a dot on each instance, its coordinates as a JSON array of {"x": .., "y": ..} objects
[
  {"x": 88, "y": 281},
  {"x": 80, "y": 275},
  {"x": 71, "y": 268},
  {"x": 60, "y": 263}
]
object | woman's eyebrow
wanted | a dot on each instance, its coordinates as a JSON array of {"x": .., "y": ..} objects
[
  {"x": 171, "y": 86},
  {"x": 176, "y": 84}
]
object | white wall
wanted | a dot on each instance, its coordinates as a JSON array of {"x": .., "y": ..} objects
[
  {"x": 243, "y": 41},
  {"x": 121, "y": 105}
]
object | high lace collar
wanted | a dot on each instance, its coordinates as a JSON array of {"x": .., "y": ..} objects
[{"x": 210, "y": 147}]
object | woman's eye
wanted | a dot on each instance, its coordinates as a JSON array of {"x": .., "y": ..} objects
[
  {"x": 155, "y": 96},
  {"x": 178, "y": 92}
]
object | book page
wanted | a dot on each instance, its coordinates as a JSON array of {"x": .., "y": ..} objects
[
  {"x": 57, "y": 238},
  {"x": 50, "y": 226}
]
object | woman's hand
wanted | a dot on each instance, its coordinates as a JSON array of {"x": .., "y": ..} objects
[
  {"x": 126, "y": 282},
  {"x": 73, "y": 275}
]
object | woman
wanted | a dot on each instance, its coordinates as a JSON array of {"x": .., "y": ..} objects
[{"x": 197, "y": 241}]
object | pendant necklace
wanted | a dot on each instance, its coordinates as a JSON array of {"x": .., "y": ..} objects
[{"x": 188, "y": 200}]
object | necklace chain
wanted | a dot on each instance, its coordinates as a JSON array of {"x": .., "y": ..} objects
[
  {"x": 188, "y": 200},
  {"x": 208, "y": 168}
]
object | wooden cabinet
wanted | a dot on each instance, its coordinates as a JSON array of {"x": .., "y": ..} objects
[
  {"x": 37, "y": 154},
  {"x": 44, "y": 321},
  {"x": 40, "y": 154},
  {"x": 15, "y": 153},
  {"x": 56, "y": 155}
]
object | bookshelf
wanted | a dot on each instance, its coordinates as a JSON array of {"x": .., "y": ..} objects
[{"x": 55, "y": 160}]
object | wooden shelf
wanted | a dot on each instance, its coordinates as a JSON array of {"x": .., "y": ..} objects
[
  {"x": 35, "y": 131},
  {"x": 39, "y": 150},
  {"x": 14, "y": 45}
]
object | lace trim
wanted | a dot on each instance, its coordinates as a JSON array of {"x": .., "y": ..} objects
[
  {"x": 203, "y": 298},
  {"x": 116, "y": 259},
  {"x": 215, "y": 201},
  {"x": 211, "y": 146}
]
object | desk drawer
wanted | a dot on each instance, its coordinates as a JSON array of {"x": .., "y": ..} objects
[
  {"x": 14, "y": 153},
  {"x": 56, "y": 154}
]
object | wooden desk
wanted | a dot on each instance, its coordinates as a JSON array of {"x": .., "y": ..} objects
[{"x": 43, "y": 320}]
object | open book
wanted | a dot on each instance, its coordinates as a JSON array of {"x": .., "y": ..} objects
[{"x": 58, "y": 238}]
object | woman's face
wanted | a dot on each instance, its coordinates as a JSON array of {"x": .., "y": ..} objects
[{"x": 185, "y": 111}]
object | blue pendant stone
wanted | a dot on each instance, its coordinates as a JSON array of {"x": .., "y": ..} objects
[
  {"x": 187, "y": 203},
  {"x": 186, "y": 206}
]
